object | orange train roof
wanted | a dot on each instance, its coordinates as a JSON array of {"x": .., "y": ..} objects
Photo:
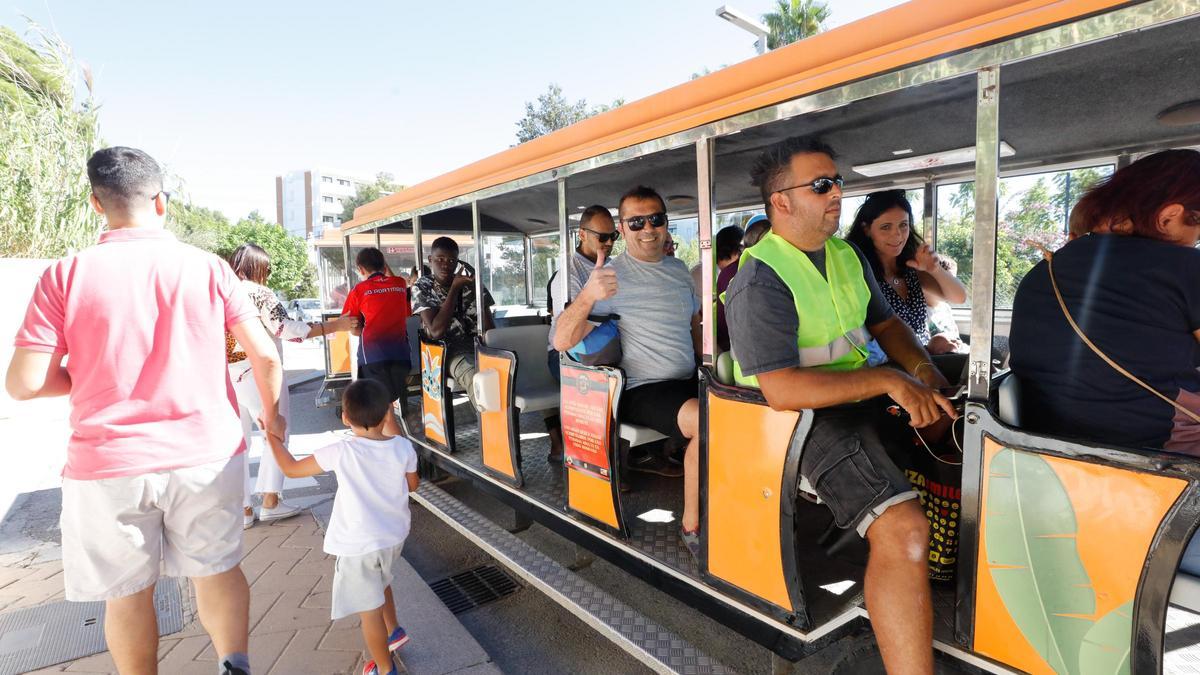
[{"x": 910, "y": 33}]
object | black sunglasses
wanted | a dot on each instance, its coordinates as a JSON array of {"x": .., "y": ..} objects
[
  {"x": 603, "y": 237},
  {"x": 638, "y": 223},
  {"x": 820, "y": 186}
]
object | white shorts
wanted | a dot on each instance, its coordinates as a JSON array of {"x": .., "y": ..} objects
[
  {"x": 359, "y": 581},
  {"x": 117, "y": 533}
]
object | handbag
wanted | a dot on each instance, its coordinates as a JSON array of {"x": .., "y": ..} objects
[{"x": 600, "y": 347}]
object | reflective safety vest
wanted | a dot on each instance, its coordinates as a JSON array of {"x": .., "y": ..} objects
[{"x": 832, "y": 309}]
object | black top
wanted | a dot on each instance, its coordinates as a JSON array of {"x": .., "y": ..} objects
[{"x": 1138, "y": 300}]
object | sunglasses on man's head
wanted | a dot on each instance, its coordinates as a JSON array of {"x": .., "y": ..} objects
[
  {"x": 638, "y": 223},
  {"x": 603, "y": 237},
  {"x": 820, "y": 185}
]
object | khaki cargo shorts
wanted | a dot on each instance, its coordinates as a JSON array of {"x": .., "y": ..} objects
[{"x": 119, "y": 533}]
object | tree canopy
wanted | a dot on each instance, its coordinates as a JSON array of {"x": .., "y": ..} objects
[
  {"x": 553, "y": 111},
  {"x": 793, "y": 20},
  {"x": 385, "y": 184},
  {"x": 291, "y": 273}
]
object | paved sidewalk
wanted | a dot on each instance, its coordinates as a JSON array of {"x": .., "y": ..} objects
[{"x": 290, "y": 631}]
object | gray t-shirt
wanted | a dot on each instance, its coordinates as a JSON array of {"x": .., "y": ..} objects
[
  {"x": 762, "y": 314},
  {"x": 656, "y": 304}
]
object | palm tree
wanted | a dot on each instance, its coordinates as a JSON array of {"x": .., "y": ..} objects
[{"x": 794, "y": 20}]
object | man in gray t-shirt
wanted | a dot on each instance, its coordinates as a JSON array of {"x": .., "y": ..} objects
[{"x": 660, "y": 336}]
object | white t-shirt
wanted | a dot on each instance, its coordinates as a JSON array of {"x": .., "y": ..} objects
[{"x": 370, "y": 509}]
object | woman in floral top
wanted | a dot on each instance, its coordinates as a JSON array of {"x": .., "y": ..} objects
[
  {"x": 911, "y": 276},
  {"x": 253, "y": 267}
]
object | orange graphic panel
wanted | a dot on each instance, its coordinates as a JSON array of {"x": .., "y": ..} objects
[
  {"x": 339, "y": 353},
  {"x": 433, "y": 404},
  {"x": 592, "y": 496},
  {"x": 1061, "y": 548},
  {"x": 747, "y": 451},
  {"x": 495, "y": 426}
]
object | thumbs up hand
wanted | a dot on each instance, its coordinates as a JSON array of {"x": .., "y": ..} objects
[{"x": 602, "y": 284}]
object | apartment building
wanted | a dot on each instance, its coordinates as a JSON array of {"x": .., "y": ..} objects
[{"x": 308, "y": 201}]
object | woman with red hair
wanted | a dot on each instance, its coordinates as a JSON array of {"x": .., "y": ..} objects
[{"x": 1131, "y": 287}]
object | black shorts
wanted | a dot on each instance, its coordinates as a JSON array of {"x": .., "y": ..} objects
[
  {"x": 391, "y": 374},
  {"x": 846, "y": 462},
  {"x": 656, "y": 405}
]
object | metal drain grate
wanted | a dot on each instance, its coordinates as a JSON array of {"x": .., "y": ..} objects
[{"x": 475, "y": 587}]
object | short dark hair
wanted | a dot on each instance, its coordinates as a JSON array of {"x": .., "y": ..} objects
[
  {"x": 641, "y": 192},
  {"x": 121, "y": 176},
  {"x": 772, "y": 165},
  {"x": 370, "y": 259},
  {"x": 251, "y": 262},
  {"x": 366, "y": 403},
  {"x": 729, "y": 241},
  {"x": 591, "y": 212},
  {"x": 446, "y": 244},
  {"x": 869, "y": 212}
]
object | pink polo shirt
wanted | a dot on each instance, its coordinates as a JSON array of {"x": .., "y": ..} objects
[{"x": 142, "y": 319}]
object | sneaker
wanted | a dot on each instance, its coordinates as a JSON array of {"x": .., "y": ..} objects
[
  {"x": 249, "y": 519},
  {"x": 229, "y": 668},
  {"x": 655, "y": 464},
  {"x": 369, "y": 668},
  {"x": 397, "y": 639},
  {"x": 692, "y": 541},
  {"x": 278, "y": 513}
]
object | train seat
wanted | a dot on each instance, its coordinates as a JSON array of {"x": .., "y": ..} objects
[
  {"x": 535, "y": 387},
  {"x": 1008, "y": 397},
  {"x": 637, "y": 435}
]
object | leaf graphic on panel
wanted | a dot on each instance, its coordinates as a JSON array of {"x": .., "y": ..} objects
[
  {"x": 1105, "y": 648},
  {"x": 1034, "y": 560}
]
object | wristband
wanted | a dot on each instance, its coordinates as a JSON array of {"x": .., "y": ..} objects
[{"x": 918, "y": 368}]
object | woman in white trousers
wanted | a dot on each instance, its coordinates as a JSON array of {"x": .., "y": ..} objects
[{"x": 252, "y": 266}]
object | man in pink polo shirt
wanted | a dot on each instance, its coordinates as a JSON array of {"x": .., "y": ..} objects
[{"x": 154, "y": 464}]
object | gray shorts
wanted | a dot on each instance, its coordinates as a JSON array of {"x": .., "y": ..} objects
[
  {"x": 359, "y": 581},
  {"x": 847, "y": 463}
]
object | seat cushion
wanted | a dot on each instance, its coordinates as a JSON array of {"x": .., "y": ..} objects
[
  {"x": 537, "y": 398},
  {"x": 637, "y": 435}
]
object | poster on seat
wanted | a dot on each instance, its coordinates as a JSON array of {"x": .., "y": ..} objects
[{"x": 586, "y": 413}]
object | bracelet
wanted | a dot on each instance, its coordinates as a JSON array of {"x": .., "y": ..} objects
[{"x": 918, "y": 368}]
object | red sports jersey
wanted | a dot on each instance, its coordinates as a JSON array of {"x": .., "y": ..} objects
[{"x": 382, "y": 304}]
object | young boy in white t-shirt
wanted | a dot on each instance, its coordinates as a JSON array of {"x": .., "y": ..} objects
[{"x": 370, "y": 515}]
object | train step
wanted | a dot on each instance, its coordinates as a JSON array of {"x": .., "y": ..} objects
[{"x": 658, "y": 648}]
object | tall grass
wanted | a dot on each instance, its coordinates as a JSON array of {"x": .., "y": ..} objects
[{"x": 45, "y": 142}]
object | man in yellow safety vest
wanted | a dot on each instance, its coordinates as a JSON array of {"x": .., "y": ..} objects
[{"x": 801, "y": 309}]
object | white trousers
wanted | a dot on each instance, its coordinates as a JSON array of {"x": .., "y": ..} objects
[{"x": 270, "y": 477}]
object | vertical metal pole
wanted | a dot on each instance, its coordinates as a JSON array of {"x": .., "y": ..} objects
[
  {"x": 983, "y": 271},
  {"x": 348, "y": 262},
  {"x": 475, "y": 232},
  {"x": 528, "y": 270},
  {"x": 983, "y": 268},
  {"x": 378, "y": 240},
  {"x": 418, "y": 247},
  {"x": 929, "y": 213},
  {"x": 705, "y": 216},
  {"x": 564, "y": 247}
]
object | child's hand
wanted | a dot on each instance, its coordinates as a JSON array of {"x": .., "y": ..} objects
[{"x": 277, "y": 427}]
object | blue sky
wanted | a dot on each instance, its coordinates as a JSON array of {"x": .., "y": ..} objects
[{"x": 229, "y": 95}]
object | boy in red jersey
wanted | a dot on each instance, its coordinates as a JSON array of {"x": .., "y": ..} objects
[{"x": 380, "y": 301}]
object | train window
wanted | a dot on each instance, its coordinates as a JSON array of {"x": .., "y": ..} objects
[
  {"x": 545, "y": 262},
  {"x": 1034, "y": 212},
  {"x": 504, "y": 267}
]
